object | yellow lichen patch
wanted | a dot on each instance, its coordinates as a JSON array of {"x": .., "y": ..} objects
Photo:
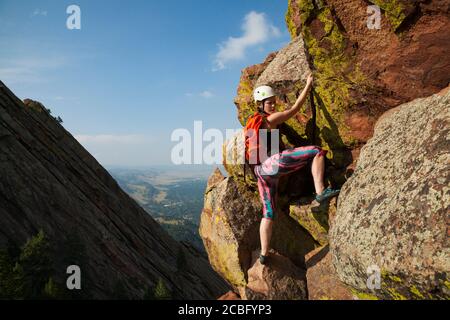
[
  {"x": 416, "y": 292},
  {"x": 447, "y": 284},
  {"x": 394, "y": 11},
  {"x": 224, "y": 259},
  {"x": 222, "y": 247},
  {"x": 395, "y": 294},
  {"x": 333, "y": 81},
  {"x": 315, "y": 224},
  {"x": 363, "y": 295},
  {"x": 289, "y": 22},
  {"x": 245, "y": 101},
  {"x": 305, "y": 7},
  {"x": 395, "y": 278}
]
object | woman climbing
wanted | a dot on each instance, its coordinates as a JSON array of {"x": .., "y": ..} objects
[{"x": 269, "y": 170}]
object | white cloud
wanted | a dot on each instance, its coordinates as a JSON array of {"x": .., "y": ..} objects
[
  {"x": 15, "y": 75},
  {"x": 28, "y": 70},
  {"x": 34, "y": 63},
  {"x": 207, "y": 94},
  {"x": 111, "y": 139},
  {"x": 257, "y": 30},
  {"x": 63, "y": 98}
]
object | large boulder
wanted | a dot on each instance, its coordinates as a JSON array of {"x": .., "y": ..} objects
[
  {"x": 314, "y": 217},
  {"x": 279, "y": 279},
  {"x": 229, "y": 227},
  {"x": 393, "y": 211},
  {"x": 323, "y": 282}
]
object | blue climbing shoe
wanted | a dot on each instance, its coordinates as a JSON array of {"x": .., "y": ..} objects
[
  {"x": 263, "y": 259},
  {"x": 327, "y": 194}
]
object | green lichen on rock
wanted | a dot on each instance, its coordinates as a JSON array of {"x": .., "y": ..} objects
[
  {"x": 447, "y": 284},
  {"x": 404, "y": 287},
  {"x": 220, "y": 242},
  {"x": 387, "y": 276},
  {"x": 246, "y": 106},
  {"x": 313, "y": 218},
  {"x": 416, "y": 292},
  {"x": 305, "y": 8},
  {"x": 393, "y": 287},
  {"x": 395, "y": 294},
  {"x": 335, "y": 75},
  {"x": 228, "y": 265},
  {"x": 394, "y": 11},
  {"x": 289, "y": 20},
  {"x": 329, "y": 60},
  {"x": 363, "y": 295}
]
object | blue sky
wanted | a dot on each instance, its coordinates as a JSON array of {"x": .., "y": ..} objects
[{"x": 136, "y": 70}]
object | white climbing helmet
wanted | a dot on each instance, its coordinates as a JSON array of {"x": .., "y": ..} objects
[{"x": 263, "y": 92}]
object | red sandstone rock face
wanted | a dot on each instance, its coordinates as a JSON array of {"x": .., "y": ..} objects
[
  {"x": 278, "y": 279},
  {"x": 249, "y": 76},
  {"x": 230, "y": 295},
  {"x": 323, "y": 281},
  {"x": 400, "y": 65},
  {"x": 359, "y": 72},
  {"x": 410, "y": 63}
]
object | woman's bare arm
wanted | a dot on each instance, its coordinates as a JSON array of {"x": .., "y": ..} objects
[{"x": 278, "y": 118}]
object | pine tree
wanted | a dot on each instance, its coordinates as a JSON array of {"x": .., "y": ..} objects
[
  {"x": 161, "y": 291},
  {"x": 52, "y": 290},
  {"x": 24, "y": 274},
  {"x": 34, "y": 266}
]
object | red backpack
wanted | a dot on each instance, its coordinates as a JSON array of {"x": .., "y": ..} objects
[{"x": 251, "y": 132}]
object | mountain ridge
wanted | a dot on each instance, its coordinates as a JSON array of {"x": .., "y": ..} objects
[{"x": 51, "y": 183}]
